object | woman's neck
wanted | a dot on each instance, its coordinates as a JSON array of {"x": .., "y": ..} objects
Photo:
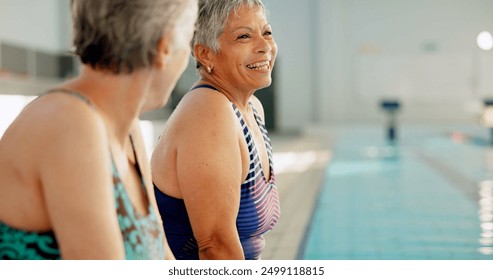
[{"x": 238, "y": 96}]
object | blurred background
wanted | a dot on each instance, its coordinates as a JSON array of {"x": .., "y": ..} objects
[{"x": 376, "y": 107}]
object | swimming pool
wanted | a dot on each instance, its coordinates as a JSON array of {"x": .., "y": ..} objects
[{"x": 429, "y": 196}]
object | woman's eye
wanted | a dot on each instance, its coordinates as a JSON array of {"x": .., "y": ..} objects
[
  {"x": 268, "y": 33},
  {"x": 243, "y": 36}
]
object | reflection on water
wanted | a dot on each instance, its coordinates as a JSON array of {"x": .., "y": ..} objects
[
  {"x": 485, "y": 212},
  {"x": 387, "y": 152},
  {"x": 486, "y": 217}
]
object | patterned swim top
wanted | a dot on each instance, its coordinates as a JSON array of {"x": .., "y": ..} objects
[
  {"x": 259, "y": 204},
  {"x": 142, "y": 235}
]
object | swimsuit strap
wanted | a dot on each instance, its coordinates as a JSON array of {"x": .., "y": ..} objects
[
  {"x": 70, "y": 92},
  {"x": 139, "y": 171},
  {"x": 87, "y": 101},
  {"x": 205, "y": 86}
]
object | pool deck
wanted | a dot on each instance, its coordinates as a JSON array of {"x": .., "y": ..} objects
[{"x": 300, "y": 161}]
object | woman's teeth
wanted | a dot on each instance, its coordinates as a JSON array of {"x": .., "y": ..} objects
[{"x": 259, "y": 66}]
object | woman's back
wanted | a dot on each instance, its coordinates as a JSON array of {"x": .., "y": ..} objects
[
  {"x": 26, "y": 231},
  {"x": 23, "y": 147}
]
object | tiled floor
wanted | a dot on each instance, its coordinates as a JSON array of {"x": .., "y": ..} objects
[{"x": 428, "y": 197}]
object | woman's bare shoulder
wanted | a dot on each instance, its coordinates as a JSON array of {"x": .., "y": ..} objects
[
  {"x": 59, "y": 120},
  {"x": 59, "y": 110},
  {"x": 203, "y": 107},
  {"x": 205, "y": 98}
]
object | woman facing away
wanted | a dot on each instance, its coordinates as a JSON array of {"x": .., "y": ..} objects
[
  {"x": 212, "y": 168},
  {"x": 72, "y": 182}
]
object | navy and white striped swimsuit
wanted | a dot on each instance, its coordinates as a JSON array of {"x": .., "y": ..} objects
[{"x": 259, "y": 204}]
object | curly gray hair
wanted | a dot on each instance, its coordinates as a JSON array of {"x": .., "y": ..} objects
[
  {"x": 212, "y": 20},
  {"x": 121, "y": 35}
]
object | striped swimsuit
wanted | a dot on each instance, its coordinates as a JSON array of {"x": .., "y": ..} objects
[{"x": 259, "y": 205}]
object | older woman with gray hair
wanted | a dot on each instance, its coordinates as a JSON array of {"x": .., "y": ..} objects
[
  {"x": 212, "y": 168},
  {"x": 73, "y": 181}
]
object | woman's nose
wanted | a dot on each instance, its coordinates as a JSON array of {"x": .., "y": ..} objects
[{"x": 263, "y": 45}]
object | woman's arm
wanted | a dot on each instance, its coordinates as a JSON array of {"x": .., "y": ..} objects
[
  {"x": 209, "y": 174},
  {"x": 76, "y": 178}
]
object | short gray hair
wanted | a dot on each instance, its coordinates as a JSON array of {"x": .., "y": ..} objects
[
  {"x": 121, "y": 35},
  {"x": 212, "y": 18}
]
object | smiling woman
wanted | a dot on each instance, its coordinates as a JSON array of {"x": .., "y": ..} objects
[{"x": 212, "y": 168}]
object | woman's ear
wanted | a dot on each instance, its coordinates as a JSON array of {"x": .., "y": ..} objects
[
  {"x": 204, "y": 55},
  {"x": 163, "y": 51}
]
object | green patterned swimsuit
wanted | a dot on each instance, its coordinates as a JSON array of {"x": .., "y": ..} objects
[{"x": 142, "y": 235}]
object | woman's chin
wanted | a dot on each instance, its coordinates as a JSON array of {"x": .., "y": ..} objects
[{"x": 155, "y": 104}]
